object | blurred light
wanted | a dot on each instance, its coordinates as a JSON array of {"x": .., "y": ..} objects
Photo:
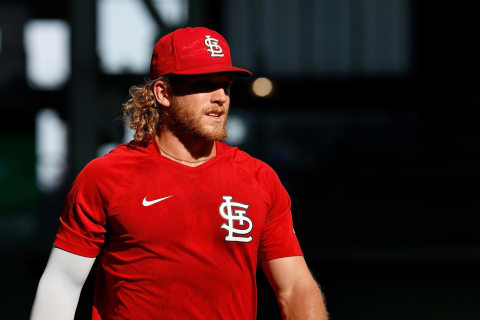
[
  {"x": 125, "y": 36},
  {"x": 126, "y": 32},
  {"x": 172, "y": 12},
  {"x": 236, "y": 129},
  {"x": 47, "y": 48},
  {"x": 262, "y": 87},
  {"x": 127, "y": 133},
  {"x": 105, "y": 148},
  {"x": 51, "y": 149}
]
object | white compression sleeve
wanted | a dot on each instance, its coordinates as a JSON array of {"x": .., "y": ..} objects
[{"x": 60, "y": 286}]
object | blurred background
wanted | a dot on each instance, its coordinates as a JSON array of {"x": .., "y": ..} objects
[{"x": 367, "y": 110}]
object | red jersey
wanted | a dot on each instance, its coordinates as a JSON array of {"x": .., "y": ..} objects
[{"x": 176, "y": 242}]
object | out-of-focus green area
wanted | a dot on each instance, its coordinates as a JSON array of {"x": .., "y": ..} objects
[{"x": 18, "y": 191}]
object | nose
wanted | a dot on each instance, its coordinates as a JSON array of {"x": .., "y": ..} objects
[{"x": 219, "y": 96}]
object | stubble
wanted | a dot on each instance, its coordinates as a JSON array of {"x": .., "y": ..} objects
[{"x": 183, "y": 120}]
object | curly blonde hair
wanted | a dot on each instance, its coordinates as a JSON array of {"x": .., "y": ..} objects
[{"x": 142, "y": 113}]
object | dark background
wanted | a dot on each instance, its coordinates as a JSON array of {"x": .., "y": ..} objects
[{"x": 380, "y": 162}]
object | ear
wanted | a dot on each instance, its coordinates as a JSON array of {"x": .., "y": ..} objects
[{"x": 160, "y": 90}]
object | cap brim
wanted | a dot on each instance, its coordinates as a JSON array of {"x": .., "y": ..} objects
[{"x": 215, "y": 68}]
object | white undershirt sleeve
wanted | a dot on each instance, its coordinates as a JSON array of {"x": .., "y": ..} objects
[{"x": 60, "y": 286}]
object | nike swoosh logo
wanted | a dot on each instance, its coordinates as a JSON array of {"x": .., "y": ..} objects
[{"x": 147, "y": 203}]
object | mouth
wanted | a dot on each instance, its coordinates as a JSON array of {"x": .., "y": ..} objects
[{"x": 215, "y": 115}]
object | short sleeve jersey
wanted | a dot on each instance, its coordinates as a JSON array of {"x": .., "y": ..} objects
[{"x": 176, "y": 242}]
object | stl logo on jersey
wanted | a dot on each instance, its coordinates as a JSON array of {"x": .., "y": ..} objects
[{"x": 228, "y": 212}]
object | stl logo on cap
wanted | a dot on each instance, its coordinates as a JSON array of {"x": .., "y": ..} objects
[
  {"x": 188, "y": 51},
  {"x": 212, "y": 43}
]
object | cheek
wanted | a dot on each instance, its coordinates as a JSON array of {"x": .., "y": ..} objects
[{"x": 195, "y": 103}]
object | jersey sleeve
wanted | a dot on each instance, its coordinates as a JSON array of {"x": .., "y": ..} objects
[
  {"x": 83, "y": 220},
  {"x": 278, "y": 237}
]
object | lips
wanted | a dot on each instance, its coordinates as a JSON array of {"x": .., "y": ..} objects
[{"x": 215, "y": 115}]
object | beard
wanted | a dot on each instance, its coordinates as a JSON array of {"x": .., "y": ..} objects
[{"x": 184, "y": 121}]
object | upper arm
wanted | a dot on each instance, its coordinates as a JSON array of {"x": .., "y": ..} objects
[
  {"x": 286, "y": 273},
  {"x": 68, "y": 267},
  {"x": 278, "y": 239},
  {"x": 83, "y": 221}
]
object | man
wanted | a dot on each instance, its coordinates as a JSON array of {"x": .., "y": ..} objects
[{"x": 178, "y": 219}]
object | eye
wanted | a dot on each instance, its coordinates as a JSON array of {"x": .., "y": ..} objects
[
  {"x": 227, "y": 87},
  {"x": 203, "y": 84}
]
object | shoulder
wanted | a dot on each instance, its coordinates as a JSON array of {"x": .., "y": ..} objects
[
  {"x": 263, "y": 172},
  {"x": 101, "y": 164},
  {"x": 127, "y": 152},
  {"x": 264, "y": 176},
  {"x": 119, "y": 161},
  {"x": 123, "y": 154},
  {"x": 98, "y": 180}
]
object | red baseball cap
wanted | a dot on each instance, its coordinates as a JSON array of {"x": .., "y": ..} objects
[{"x": 191, "y": 51}]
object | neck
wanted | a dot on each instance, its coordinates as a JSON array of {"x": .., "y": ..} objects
[{"x": 186, "y": 150}]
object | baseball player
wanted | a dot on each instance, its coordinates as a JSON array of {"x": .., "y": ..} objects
[{"x": 178, "y": 219}]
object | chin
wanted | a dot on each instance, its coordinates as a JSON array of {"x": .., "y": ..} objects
[
  {"x": 214, "y": 133},
  {"x": 213, "y": 136}
]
